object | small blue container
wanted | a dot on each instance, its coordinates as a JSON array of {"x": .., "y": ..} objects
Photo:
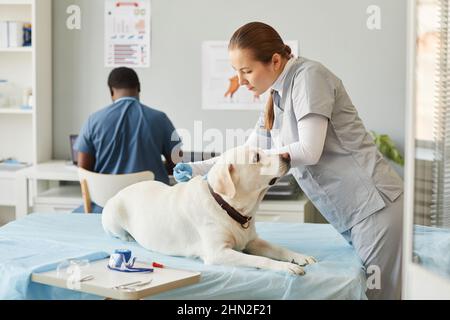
[{"x": 125, "y": 252}]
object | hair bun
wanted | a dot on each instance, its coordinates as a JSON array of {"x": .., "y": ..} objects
[{"x": 287, "y": 50}]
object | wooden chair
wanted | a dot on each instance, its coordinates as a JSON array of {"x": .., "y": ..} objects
[{"x": 99, "y": 188}]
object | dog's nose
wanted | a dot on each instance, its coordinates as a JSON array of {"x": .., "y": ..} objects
[{"x": 286, "y": 158}]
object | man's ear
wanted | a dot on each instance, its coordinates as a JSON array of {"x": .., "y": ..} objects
[{"x": 221, "y": 181}]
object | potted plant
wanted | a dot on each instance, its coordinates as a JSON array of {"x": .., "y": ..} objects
[{"x": 388, "y": 149}]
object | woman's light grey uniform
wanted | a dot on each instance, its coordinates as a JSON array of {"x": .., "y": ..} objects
[{"x": 352, "y": 185}]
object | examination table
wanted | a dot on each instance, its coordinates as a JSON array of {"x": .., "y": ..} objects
[{"x": 40, "y": 241}]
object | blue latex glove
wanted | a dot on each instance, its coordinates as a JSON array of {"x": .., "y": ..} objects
[{"x": 182, "y": 172}]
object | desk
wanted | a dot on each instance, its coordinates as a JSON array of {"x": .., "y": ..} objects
[
  {"x": 49, "y": 171},
  {"x": 69, "y": 197}
]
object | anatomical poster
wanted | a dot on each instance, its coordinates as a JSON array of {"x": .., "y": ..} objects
[{"x": 220, "y": 85}]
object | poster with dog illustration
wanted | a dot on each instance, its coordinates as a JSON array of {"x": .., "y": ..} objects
[{"x": 220, "y": 84}]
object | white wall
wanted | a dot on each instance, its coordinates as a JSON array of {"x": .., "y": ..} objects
[{"x": 371, "y": 63}]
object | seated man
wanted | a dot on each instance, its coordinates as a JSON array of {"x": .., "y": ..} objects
[{"x": 127, "y": 136}]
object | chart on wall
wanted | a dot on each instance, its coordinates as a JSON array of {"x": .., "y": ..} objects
[
  {"x": 127, "y": 33},
  {"x": 220, "y": 85}
]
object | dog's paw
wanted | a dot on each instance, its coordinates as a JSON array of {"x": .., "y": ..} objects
[
  {"x": 291, "y": 268},
  {"x": 303, "y": 260}
]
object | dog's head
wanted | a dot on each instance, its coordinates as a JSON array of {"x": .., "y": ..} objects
[{"x": 246, "y": 171}]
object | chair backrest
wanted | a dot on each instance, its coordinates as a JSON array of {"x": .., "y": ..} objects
[{"x": 99, "y": 188}]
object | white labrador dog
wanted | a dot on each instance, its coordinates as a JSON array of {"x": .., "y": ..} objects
[{"x": 186, "y": 220}]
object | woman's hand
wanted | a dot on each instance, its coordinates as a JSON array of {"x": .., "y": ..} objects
[{"x": 182, "y": 172}]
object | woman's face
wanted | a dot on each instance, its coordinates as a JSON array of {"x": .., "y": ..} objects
[{"x": 258, "y": 77}]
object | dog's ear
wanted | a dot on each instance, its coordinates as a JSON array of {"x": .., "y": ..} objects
[{"x": 222, "y": 182}]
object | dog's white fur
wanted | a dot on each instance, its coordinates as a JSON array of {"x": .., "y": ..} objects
[{"x": 185, "y": 220}]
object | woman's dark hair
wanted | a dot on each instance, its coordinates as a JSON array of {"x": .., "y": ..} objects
[
  {"x": 263, "y": 42},
  {"x": 124, "y": 78}
]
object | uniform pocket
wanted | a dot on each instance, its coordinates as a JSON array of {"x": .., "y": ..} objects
[
  {"x": 387, "y": 181},
  {"x": 390, "y": 193}
]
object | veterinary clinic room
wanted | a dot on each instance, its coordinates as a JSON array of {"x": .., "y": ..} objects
[{"x": 201, "y": 150}]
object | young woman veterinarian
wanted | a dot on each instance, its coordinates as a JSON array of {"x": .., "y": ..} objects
[{"x": 311, "y": 119}]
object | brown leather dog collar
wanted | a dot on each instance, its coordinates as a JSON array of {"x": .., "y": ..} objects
[{"x": 232, "y": 212}]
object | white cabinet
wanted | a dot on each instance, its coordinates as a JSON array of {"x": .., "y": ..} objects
[
  {"x": 61, "y": 199},
  {"x": 7, "y": 194},
  {"x": 282, "y": 210},
  {"x": 26, "y": 134}
]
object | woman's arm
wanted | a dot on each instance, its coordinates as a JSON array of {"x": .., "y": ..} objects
[
  {"x": 258, "y": 138},
  {"x": 312, "y": 131},
  {"x": 202, "y": 167}
]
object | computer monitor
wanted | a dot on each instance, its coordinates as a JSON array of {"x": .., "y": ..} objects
[{"x": 74, "y": 152}]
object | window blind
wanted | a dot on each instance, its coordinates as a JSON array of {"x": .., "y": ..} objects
[{"x": 440, "y": 202}]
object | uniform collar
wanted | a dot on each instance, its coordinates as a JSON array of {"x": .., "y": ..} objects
[
  {"x": 125, "y": 99},
  {"x": 278, "y": 84}
]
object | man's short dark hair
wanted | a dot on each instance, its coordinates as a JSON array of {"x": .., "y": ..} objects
[{"x": 124, "y": 78}]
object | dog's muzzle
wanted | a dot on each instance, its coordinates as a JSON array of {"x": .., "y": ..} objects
[
  {"x": 285, "y": 159},
  {"x": 285, "y": 163}
]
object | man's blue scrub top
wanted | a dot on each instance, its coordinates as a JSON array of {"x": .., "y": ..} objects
[{"x": 128, "y": 137}]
